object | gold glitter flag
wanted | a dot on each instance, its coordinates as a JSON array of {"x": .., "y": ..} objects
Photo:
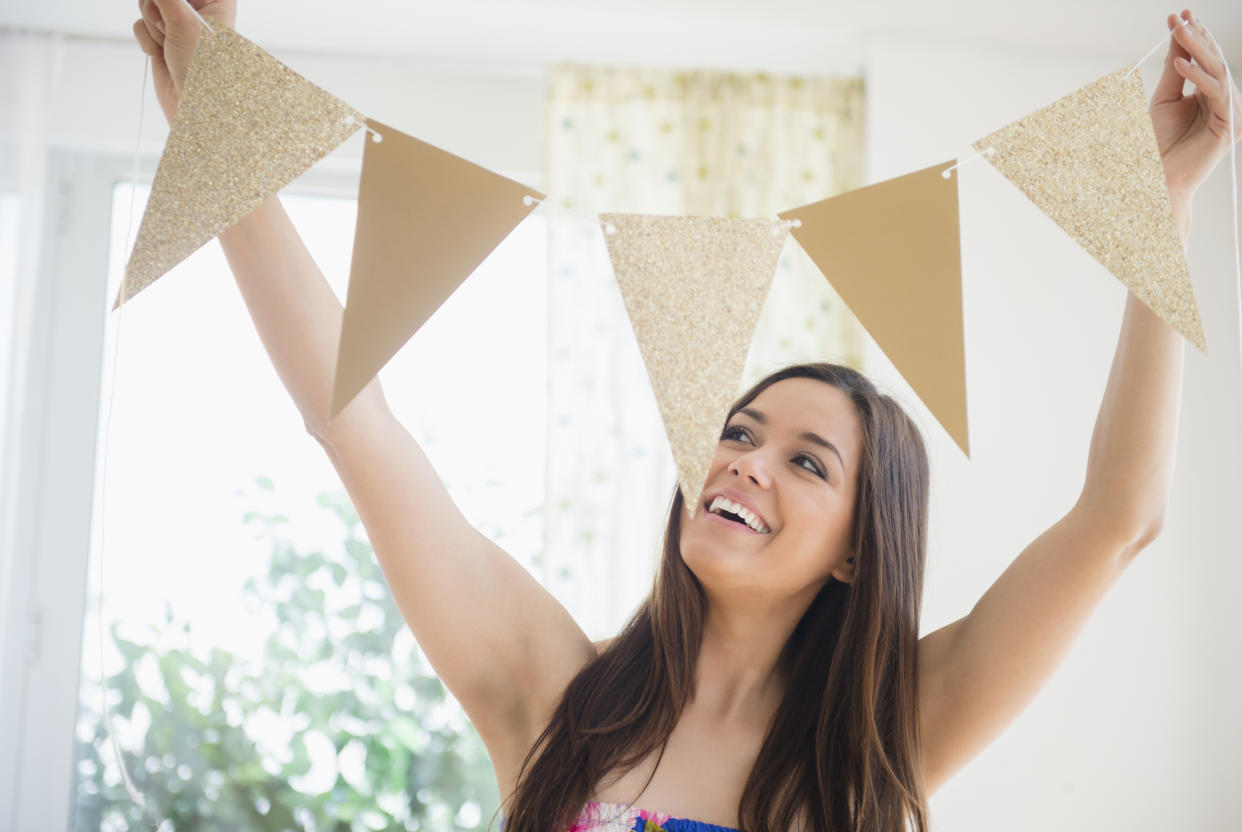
[
  {"x": 693, "y": 288},
  {"x": 246, "y": 125},
  {"x": 892, "y": 251},
  {"x": 426, "y": 220},
  {"x": 1090, "y": 161}
]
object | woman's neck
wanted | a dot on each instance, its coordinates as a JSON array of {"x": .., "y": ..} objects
[{"x": 738, "y": 677}]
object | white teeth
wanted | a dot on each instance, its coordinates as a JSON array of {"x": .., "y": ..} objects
[{"x": 746, "y": 514}]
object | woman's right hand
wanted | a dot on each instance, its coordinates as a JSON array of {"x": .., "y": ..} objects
[{"x": 168, "y": 31}]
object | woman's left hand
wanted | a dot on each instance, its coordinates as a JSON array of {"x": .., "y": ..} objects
[{"x": 1192, "y": 131}]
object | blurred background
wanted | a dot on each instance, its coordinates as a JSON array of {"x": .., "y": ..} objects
[{"x": 172, "y": 541}]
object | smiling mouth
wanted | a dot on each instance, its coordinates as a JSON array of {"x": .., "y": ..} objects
[
  {"x": 728, "y": 517},
  {"x": 739, "y": 524}
]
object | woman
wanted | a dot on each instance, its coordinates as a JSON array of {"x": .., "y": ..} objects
[{"x": 774, "y": 678}]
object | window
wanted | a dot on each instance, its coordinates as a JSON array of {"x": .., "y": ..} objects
[{"x": 231, "y": 556}]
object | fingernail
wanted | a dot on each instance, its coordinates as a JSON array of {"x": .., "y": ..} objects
[{"x": 159, "y": 24}]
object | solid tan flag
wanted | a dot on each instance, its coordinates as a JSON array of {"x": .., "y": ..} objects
[
  {"x": 892, "y": 251},
  {"x": 246, "y": 126},
  {"x": 426, "y": 220},
  {"x": 1090, "y": 161},
  {"x": 693, "y": 288}
]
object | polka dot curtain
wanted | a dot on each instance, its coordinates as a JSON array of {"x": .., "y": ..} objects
[{"x": 659, "y": 142}]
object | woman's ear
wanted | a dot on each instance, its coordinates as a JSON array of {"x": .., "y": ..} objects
[{"x": 845, "y": 570}]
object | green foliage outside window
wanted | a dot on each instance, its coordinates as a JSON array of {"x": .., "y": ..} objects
[{"x": 332, "y": 686}]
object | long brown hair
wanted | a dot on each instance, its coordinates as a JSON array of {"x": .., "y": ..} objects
[{"x": 842, "y": 753}]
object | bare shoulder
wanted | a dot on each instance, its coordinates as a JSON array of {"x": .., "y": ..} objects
[{"x": 602, "y": 645}]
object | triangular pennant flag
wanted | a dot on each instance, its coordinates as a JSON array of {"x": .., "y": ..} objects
[
  {"x": 426, "y": 220},
  {"x": 1090, "y": 161},
  {"x": 693, "y": 288},
  {"x": 892, "y": 251},
  {"x": 246, "y": 126}
]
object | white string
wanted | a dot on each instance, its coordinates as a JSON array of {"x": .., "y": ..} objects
[
  {"x": 1151, "y": 51},
  {"x": 1233, "y": 180},
  {"x": 609, "y": 228},
  {"x": 376, "y": 135},
  {"x": 132, "y": 789},
  {"x": 945, "y": 173},
  {"x": 201, "y": 19}
]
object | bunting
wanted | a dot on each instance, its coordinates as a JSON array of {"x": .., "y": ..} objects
[
  {"x": 693, "y": 288},
  {"x": 892, "y": 251},
  {"x": 426, "y": 220},
  {"x": 1090, "y": 161},
  {"x": 246, "y": 125}
]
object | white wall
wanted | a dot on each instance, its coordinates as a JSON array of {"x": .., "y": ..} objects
[
  {"x": 1134, "y": 731},
  {"x": 1137, "y": 729}
]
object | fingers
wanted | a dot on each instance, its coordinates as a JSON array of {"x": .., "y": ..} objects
[
  {"x": 1171, "y": 83},
  {"x": 152, "y": 21},
  {"x": 1196, "y": 40},
  {"x": 1209, "y": 72},
  {"x": 1199, "y": 77},
  {"x": 176, "y": 12},
  {"x": 1227, "y": 87},
  {"x": 145, "y": 42}
]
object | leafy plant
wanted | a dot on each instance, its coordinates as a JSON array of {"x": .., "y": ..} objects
[{"x": 344, "y": 727}]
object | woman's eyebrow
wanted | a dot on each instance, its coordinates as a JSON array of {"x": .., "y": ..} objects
[{"x": 806, "y": 434}]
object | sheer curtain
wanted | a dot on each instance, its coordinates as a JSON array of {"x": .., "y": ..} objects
[{"x": 659, "y": 142}]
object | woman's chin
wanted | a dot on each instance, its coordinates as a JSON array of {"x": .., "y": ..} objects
[{"x": 714, "y": 562}]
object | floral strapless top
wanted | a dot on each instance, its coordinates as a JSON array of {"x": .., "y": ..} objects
[
  {"x": 617, "y": 817},
  {"x": 598, "y": 816}
]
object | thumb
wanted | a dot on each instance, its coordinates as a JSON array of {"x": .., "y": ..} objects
[
  {"x": 1171, "y": 83},
  {"x": 178, "y": 17},
  {"x": 181, "y": 30}
]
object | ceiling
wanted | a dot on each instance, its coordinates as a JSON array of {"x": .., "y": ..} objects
[{"x": 772, "y": 35}]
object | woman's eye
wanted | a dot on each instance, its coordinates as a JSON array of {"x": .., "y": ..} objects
[
  {"x": 814, "y": 468},
  {"x": 734, "y": 432}
]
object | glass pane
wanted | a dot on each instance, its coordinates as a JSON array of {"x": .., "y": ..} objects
[{"x": 258, "y": 674}]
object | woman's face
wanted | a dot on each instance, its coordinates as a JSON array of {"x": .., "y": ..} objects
[{"x": 803, "y": 491}]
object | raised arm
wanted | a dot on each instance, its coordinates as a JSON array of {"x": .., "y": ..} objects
[
  {"x": 497, "y": 639},
  {"x": 978, "y": 673}
]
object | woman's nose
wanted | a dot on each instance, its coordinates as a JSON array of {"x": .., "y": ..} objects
[{"x": 753, "y": 467}]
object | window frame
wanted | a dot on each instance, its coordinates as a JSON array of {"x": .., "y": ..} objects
[{"x": 50, "y": 479}]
